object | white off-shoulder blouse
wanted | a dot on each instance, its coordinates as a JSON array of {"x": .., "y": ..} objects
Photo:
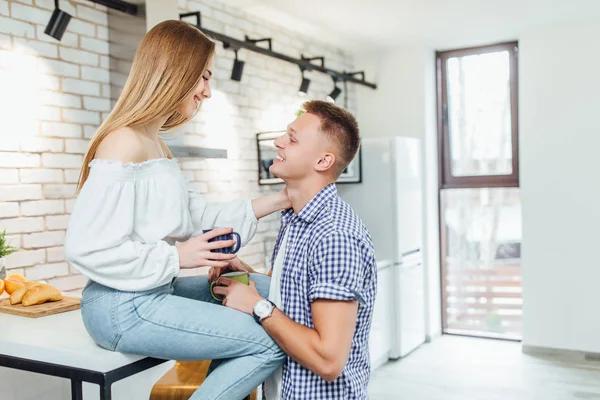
[{"x": 127, "y": 218}]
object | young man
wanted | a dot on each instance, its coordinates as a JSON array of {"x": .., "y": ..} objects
[{"x": 324, "y": 273}]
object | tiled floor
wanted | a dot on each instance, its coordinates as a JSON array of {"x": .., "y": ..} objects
[{"x": 458, "y": 368}]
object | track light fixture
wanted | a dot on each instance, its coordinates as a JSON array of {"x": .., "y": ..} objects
[
  {"x": 238, "y": 68},
  {"x": 353, "y": 74},
  {"x": 251, "y": 45},
  {"x": 58, "y": 22},
  {"x": 309, "y": 59},
  {"x": 334, "y": 93},
  {"x": 120, "y": 5},
  {"x": 254, "y": 41},
  {"x": 304, "y": 85}
]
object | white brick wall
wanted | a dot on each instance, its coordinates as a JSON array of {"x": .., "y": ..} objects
[
  {"x": 36, "y": 47},
  {"x": 25, "y": 258},
  {"x": 53, "y": 67},
  {"x": 8, "y": 210},
  {"x": 81, "y": 116},
  {"x": 79, "y": 56},
  {"x": 78, "y": 86},
  {"x": 75, "y": 84},
  {"x": 95, "y": 74},
  {"x": 42, "y": 207},
  {"x": 20, "y": 192},
  {"x": 43, "y": 239},
  {"x": 57, "y": 222},
  {"x": 9, "y": 176},
  {"x": 61, "y": 129},
  {"x": 9, "y": 144},
  {"x": 39, "y": 162},
  {"x": 60, "y": 191},
  {"x": 89, "y": 14},
  {"x": 22, "y": 225},
  {"x": 51, "y": 160},
  {"x": 41, "y": 175},
  {"x": 55, "y": 254},
  {"x": 18, "y": 28},
  {"x": 47, "y": 271},
  {"x": 29, "y": 14},
  {"x": 8, "y": 160},
  {"x": 76, "y": 146}
]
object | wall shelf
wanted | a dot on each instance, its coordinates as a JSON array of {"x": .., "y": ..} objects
[{"x": 197, "y": 152}]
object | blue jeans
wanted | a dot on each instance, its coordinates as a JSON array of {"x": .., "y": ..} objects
[{"x": 181, "y": 321}]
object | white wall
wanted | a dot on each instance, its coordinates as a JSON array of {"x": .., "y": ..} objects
[
  {"x": 53, "y": 97},
  {"x": 560, "y": 168},
  {"x": 160, "y": 10},
  {"x": 404, "y": 105},
  {"x": 559, "y": 141}
]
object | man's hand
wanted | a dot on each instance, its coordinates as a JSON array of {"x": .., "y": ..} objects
[
  {"x": 237, "y": 295},
  {"x": 234, "y": 265}
]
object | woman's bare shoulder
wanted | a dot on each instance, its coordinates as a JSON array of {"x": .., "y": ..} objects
[{"x": 124, "y": 145}]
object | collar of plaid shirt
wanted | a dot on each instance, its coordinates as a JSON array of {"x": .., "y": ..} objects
[{"x": 308, "y": 213}]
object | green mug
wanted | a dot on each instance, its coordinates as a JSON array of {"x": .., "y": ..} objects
[{"x": 239, "y": 276}]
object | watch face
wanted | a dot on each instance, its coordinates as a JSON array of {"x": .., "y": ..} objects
[{"x": 262, "y": 308}]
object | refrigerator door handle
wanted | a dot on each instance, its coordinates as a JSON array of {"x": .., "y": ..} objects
[
  {"x": 410, "y": 265},
  {"x": 411, "y": 252}
]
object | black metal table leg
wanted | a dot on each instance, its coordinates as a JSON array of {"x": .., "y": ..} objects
[
  {"x": 79, "y": 375},
  {"x": 76, "y": 390},
  {"x": 105, "y": 391}
]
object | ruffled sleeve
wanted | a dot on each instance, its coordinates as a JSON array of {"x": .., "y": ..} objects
[
  {"x": 237, "y": 214},
  {"x": 101, "y": 242}
]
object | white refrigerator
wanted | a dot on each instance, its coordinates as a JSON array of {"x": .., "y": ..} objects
[{"x": 389, "y": 200}]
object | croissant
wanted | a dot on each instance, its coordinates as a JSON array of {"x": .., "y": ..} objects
[
  {"x": 40, "y": 294},
  {"x": 17, "y": 295}
]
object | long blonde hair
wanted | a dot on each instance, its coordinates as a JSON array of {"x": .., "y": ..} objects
[{"x": 167, "y": 67}]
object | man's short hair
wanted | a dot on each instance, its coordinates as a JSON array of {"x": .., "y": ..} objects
[{"x": 340, "y": 126}]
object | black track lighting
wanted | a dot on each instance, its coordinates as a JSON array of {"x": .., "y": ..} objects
[
  {"x": 251, "y": 45},
  {"x": 334, "y": 94},
  {"x": 58, "y": 22},
  {"x": 310, "y": 59},
  {"x": 304, "y": 85},
  {"x": 254, "y": 41},
  {"x": 238, "y": 68}
]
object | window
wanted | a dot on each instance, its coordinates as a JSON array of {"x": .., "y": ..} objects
[
  {"x": 480, "y": 207},
  {"x": 478, "y": 117}
]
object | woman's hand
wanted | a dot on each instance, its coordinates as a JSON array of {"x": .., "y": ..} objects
[
  {"x": 235, "y": 264},
  {"x": 266, "y": 205},
  {"x": 284, "y": 199},
  {"x": 196, "y": 252}
]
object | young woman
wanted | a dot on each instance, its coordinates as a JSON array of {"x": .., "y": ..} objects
[{"x": 133, "y": 206}]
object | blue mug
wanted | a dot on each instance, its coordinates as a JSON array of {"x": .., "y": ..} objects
[{"x": 227, "y": 250}]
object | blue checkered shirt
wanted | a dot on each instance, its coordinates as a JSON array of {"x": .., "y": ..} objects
[{"x": 329, "y": 255}]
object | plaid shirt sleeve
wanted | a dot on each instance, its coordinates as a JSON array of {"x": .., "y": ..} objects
[{"x": 336, "y": 270}]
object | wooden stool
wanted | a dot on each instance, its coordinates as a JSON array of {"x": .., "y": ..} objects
[{"x": 181, "y": 381}]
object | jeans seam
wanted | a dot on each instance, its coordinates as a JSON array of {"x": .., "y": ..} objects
[
  {"x": 199, "y": 333},
  {"x": 88, "y": 300},
  {"x": 115, "y": 321}
]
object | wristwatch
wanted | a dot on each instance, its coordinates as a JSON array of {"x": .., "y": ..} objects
[{"x": 263, "y": 309}]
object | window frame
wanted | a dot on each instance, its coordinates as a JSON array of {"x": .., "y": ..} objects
[{"x": 446, "y": 179}]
